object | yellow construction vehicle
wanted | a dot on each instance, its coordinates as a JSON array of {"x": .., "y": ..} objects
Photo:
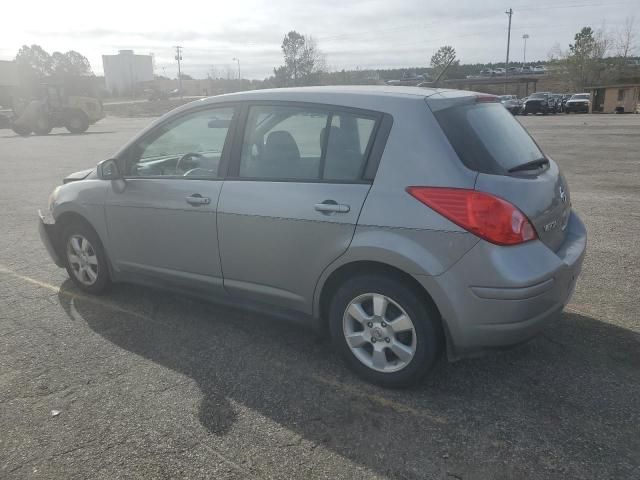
[{"x": 55, "y": 109}]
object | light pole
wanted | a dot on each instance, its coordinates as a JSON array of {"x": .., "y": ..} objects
[
  {"x": 179, "y": 59},
  {"x": 237, "y": 60},
  {"x": 524, "y": 56}
]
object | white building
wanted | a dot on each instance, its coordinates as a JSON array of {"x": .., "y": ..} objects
[{"x": 124, "y": 71}]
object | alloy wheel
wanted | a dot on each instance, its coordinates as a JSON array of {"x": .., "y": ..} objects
[
  {"x": 379, "y": 333},
  {"x": 82, "y": 259}
]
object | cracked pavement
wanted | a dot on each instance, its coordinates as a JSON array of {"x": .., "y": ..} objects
[{"x": 154, "y": 385}]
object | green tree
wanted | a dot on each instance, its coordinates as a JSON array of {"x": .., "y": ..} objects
[
  {"x": 303, "y": 61},
  {"x": 34, "y": 61},
  {"x": 70, "y": 64},
  {"x": 585, "y": 58},
  {"x": 443, "y": 56}
]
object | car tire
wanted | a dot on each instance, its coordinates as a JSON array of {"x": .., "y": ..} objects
[
  {"x": 86, "y": 263},
  {"x": 424, "y": 339},
  {"x": 76, "y": 122}
]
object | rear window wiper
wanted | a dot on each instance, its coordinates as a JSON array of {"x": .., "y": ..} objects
[{"x": 532, "y": 165}]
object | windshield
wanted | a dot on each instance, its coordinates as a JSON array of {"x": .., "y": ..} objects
[
  {"x": 580, "y": 96},
  {"x": 487, "y": 138}
]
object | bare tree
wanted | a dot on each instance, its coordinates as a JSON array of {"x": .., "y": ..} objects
[
  {"x": 556, "y": 53},
  {"x": 626, "y": 39}
]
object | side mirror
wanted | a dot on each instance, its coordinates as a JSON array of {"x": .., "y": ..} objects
[{"x": 108, "y": 170}]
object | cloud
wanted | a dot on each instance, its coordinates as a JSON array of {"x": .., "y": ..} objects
[{"x": 364, "y": 33}]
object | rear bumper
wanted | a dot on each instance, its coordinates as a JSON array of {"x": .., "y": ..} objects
[
  {"x": 535, "y": 108},
  {"x": 48, "y": 235},
  {"x": 500, "y": 296},
  {"x": 576, "y": 108}
]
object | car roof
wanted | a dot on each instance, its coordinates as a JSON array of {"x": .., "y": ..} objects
[{"x": 319, "y": 94}]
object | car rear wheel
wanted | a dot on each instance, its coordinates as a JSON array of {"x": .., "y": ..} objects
[
  {"x": 85, "y": 259},
  {"x": 386, "y": 333}
]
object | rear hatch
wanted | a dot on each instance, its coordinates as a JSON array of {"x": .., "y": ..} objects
[{"x": 509, "y": 163}]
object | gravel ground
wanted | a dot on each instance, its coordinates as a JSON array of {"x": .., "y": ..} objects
[{"x": 151, "y": 385}]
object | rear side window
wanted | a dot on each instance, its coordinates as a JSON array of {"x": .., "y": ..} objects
[
  {"x": 305, "y": 143},
  {"x": 487, "y": 138}
]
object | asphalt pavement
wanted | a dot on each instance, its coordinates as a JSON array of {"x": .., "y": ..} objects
[{"x": 139, "y": 383}]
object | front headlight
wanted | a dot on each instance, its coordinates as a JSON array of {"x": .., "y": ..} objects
[{"x": 52, "y": 198}]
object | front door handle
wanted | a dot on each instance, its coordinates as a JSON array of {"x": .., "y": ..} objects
[
  {"x": 331, "y": 206},
  {"x": 197, "y": 199}
]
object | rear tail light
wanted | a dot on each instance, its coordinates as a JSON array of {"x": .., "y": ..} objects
[
  {"x": 482, "y": 214},
  {"x": 487, "y": 99}
]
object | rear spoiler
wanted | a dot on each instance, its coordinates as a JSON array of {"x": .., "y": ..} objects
[{"x": 450, "y": 98}]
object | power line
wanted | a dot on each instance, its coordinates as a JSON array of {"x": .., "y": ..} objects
[{"x": 575, "y": 5}]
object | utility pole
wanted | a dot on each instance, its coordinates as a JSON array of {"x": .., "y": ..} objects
[
  {"x": 524, "y": 56},
  {"x": 237, "y": 60},
  {"x": 506, "y": 66},
  {"x": 179, "y": 59}
]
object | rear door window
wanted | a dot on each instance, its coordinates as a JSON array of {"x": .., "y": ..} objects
[
  {"x": 305, "y": 143},
  {"x": 487, "y": 138}
]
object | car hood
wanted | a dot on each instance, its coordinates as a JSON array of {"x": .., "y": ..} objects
[
  {"x": 81, "y": 175},
  {"x": 578, "y": 100}
]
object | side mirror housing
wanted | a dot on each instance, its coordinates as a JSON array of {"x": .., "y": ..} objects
[{"x": 108, "y": 170}]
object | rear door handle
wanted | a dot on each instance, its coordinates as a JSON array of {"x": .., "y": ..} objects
[
  {"x": 331, "y": 206},
  {"x": 197, "y": 199}
]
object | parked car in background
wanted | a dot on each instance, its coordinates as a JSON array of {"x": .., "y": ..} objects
[
  {"x": 487, "y": 72},
  {"x": 539, "y": 69},
  {"x": 539, "y": 102},
  {"x": 557, "y": 100},
  {"x": 514, "y": 70},
  {"x": 511, "y": 103},
  {"x": 565, "y": 99},
  {"x": 499, "y": 71},
  {"x": 341, "y": 207},
  {"x": 526, "y": 69},
  {"x": 579, "y": 102}
]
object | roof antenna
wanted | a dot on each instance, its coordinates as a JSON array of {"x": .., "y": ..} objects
[{"x": 437, "y": 80}]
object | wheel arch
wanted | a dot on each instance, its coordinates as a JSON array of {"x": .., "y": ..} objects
[
  {"x": 69, "y": 217},
  {"x": 358, "y": 267}
]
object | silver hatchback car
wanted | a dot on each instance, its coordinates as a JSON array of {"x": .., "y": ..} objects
[{"x": 404, "y": 221}]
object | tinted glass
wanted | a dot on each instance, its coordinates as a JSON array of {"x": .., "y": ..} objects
[
  {"x": 347, "y": 144},
  {"x": 189, "y": 146},
  {"x": 282, "y": 143},
  {"x": 304, "y": 143},
  {"x": 487, "y": 138}
]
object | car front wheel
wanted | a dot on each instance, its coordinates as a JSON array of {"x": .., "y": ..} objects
[
  {"x": 384, "y": 330},
  {"x": 85, "y": 259}
]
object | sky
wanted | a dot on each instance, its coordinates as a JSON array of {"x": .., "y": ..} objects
[{"x": 352, "y": 34}]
